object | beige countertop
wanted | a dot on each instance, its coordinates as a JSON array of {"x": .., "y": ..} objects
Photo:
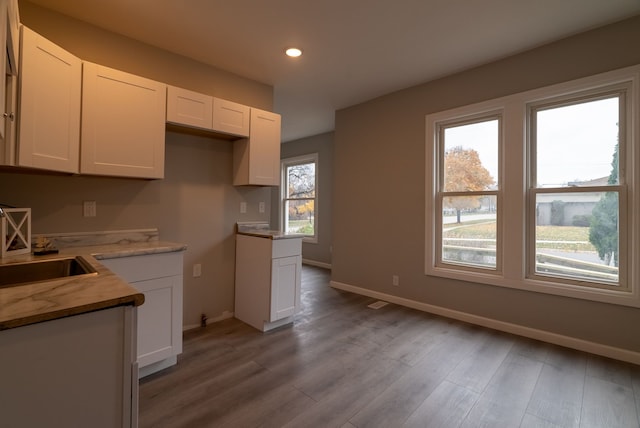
[
  {"x": 261, "y": 230},
  {"x": 47, "y": 300}
]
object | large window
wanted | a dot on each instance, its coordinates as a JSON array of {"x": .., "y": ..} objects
[
  {"x": 538, "y": 190},
  {"x": 467, "y": 196},
  {"x": 299, "y": 196},
  {"x": 574, "y": 189}
]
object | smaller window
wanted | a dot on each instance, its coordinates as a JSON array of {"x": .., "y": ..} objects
[
  {"x": 468, "y": 193},
  {"x": 299, "y": 196}
]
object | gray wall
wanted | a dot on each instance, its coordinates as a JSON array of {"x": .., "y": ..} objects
[
  {"x": 195, "y": 204},
  {"x": 322, "y": 144},
  {"x": 379, "y": 196}
]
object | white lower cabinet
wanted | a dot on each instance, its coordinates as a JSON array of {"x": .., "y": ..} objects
[
  {"x": 159, "y": 277},
  {"x": 78, "y": 371},
  {"x": 268, "y": 278}
]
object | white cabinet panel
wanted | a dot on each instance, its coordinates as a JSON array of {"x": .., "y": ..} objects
[
  {"x": 231, "y": 118},
  {"x": 202, "y": 111},
  {"x": 256, "y": 160},
  {"x": 123, "y": 124},
  {"x": 49, "y": 116},
  {"x": 189, "y": 108},
  {"x": 267, "y": 288},
  {"x": 285, "y": 277},
  {"x": 159, "y": 278},
  {"x": 70, "y": 372},
  {"x": 9, "y": 38}
]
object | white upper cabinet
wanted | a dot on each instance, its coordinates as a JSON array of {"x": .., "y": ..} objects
[
  {"x": 231, "y": 118},
  {"x": 202, "y": 111},
  {"x": 123, "y": 124},
  {"x": 256, "y": 160},
  {"x": 9, "y": 57},
  {"x": 49, "y": 110},
  {"x": 189, "y": 108}
]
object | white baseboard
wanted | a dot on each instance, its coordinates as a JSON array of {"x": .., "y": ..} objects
[
  {"x": 315, "y": 263},
  {"x": 532, "y": 333}
]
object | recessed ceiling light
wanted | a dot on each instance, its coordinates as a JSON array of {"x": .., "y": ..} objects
[{"x": 293, "y": 52}]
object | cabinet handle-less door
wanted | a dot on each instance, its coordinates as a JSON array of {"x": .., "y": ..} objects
[
  {"x": 49, "y": 124},
  {"x": 285, "y": 275},
  {"x": 123, "y": 123}
]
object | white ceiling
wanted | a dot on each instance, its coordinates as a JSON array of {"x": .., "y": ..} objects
[{"x": 354, "y": 50}]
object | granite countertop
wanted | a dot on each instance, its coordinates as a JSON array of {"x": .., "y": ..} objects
[
  {"x": 261, "y": 230},
  {"x": 47, "y": 300}
]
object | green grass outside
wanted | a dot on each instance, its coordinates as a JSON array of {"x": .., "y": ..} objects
[{"x": 487, "y": 230}]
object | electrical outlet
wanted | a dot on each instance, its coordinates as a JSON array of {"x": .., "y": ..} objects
[
  {"x": 261, "y": 207},
  {"x": 89, "y": 208},
  {"x": 197, "y": 270},
  {"x": 395, "y": 279},
  {"x": 243, "y": 207}
]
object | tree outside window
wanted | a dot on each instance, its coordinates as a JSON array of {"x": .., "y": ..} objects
[{"x": 300, "y": 195}]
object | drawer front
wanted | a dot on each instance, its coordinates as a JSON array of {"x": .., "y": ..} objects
[
  {"x": 286, "y": 247},
  {"x": 140, "y": 268}
]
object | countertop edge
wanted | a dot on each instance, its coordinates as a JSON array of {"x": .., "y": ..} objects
[{"x": 49, "y": 300}]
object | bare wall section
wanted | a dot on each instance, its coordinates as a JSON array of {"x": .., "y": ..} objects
[
  {"x": 379, "y": 192},
  {"x": 195, "y": 204}
]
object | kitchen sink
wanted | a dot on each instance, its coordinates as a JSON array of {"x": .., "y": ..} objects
[{"x": 43, "y": 270}]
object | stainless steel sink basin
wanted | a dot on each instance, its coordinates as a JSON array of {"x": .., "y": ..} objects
[{"x": 43, "y": 270}]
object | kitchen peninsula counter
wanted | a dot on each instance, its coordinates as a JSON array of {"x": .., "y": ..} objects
[{"x": 48, "y": 300}]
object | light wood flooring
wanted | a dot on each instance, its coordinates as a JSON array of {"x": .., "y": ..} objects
[{"x": 345, "y": 365}]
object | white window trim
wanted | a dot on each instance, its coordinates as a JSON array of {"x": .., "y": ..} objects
[
  {"x": 284, "y": 163},
  {"x": 514, "y": 190}
]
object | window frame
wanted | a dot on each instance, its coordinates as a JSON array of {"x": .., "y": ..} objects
[
  {"x": 284, "y": 196},
  {"x": 441, "y": 194},
  {"x": 617, "y": 90},
  {"x": 515, "y": 194}
]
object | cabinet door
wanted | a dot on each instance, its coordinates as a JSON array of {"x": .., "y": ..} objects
[
  {"x": 189, "y": 108},
  {"x": 49, "y": 118},
  {"x": 159, "y": 319},
  {"x": 256, "y": 159},
  {"x": 231, "y": 118},
  {"x": 70, "y": 372},
  {"x": 285, "y": 286},
  {"x": 123, "y": 124}
]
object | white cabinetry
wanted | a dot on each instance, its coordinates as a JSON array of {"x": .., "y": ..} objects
[
  {"x": 231, "y": 118},
  {"x": 159, "y": 277},
  {"x": 123, "y": 124},
  {"x": 49, "y": 113},
  {"x": 256, "y": 160},
  {"x": 197, "y": 110},
  {"x": 268, "y": 277},
  {"x": 9, "y": 57},
  {"x": 189, "y": 108},
  {"x": 77, "y": 371}
]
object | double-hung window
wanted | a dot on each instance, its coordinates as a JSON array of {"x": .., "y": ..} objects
[
  {"x": 538, "y": 190},
  {"x": 577, "y": 192},
  {"x": 299, "y": 196},
  {"x": 467, "y": 192}
]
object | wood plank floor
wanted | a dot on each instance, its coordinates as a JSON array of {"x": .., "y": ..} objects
[{"x": 345, "y": 365}]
